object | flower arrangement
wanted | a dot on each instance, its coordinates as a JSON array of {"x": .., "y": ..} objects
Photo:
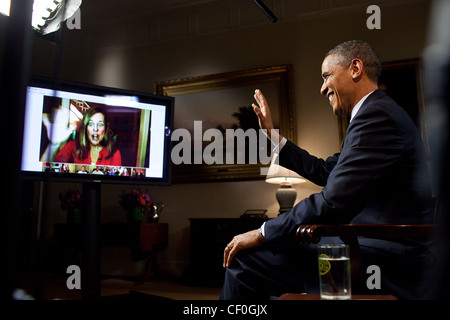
[
  {"x": 138, "y": 204},
  {"x": 71, "y": 201},
  {"x": 135, "y": 198}
]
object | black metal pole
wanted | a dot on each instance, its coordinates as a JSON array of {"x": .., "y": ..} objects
[
  {"x": 437, "y": 90},
  {"x": 90, "y": 254},
  {"x": 16, "y": 42}
]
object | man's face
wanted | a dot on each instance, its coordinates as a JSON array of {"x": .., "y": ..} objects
[{"x": 337, "y": 85}]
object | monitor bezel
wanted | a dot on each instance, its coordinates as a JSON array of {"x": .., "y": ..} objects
[{"x": 83, "y": 88}]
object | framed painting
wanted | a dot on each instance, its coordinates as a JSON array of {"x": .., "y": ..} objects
[
  {"x": 402, "y": 81},
  {"x": 221, "y": 103}
]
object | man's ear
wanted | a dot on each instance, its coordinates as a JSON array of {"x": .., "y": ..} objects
[{"x": 357, "y": 67}]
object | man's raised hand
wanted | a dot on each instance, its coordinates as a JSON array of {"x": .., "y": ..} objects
[{"x": 264, "y": 116}]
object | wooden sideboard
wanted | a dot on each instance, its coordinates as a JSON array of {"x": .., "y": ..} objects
[{"x": 208, "y": 238}]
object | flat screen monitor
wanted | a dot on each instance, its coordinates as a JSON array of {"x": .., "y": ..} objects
[{"x": 96, "y": 134}]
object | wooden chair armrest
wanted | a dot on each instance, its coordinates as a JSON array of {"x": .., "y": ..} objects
[{"x": 313, "y": 233}]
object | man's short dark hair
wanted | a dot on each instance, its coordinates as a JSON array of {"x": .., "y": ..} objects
[{"x": 357, "y": 49}]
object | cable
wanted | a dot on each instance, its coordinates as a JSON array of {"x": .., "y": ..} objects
[{"x": 266, "y": 10}]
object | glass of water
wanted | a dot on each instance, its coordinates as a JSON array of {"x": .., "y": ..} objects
[{"x": 334, "y": 272}]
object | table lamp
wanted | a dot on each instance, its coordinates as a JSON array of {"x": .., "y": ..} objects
[{"x": 284, "y": 177}]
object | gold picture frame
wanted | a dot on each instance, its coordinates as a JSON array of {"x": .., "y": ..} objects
[
  {"x": 222, "y": 87},
  {"x": 402, "y": 81}
]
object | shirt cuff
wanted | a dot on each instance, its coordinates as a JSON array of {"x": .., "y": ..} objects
[
  {"x": 262, "y": 229},
  {"x": 280, "y": 146}
]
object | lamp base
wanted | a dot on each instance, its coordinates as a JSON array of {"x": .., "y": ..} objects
[
  {"x": 286, "y": 196},
  {"x": 283, "y": 210}
]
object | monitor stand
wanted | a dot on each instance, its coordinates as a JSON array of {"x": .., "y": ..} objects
[{"x": 90, "y": 253}]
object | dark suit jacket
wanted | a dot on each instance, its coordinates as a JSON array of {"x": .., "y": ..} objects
[{"x": 379, "y": 177}]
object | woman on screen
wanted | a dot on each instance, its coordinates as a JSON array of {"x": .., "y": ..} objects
[{"x": 93, "y": 145}]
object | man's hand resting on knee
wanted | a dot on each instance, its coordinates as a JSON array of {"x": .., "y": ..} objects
[{"x": 242, "y": 241}]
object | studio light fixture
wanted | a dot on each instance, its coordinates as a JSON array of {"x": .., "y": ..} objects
[
  {"x": 47, "y": 14},
  {"x": 4, "y": 7}
]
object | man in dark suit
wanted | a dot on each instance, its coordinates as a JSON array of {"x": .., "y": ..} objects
[{"x": 379, "y": 177}]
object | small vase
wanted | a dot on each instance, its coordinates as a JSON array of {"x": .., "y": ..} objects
[
  {"x": 136, "y": 214},
  {"x": 74, "y": 215}
]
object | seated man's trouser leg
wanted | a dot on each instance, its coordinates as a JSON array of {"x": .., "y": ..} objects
[{"x": 261, "y": 273}]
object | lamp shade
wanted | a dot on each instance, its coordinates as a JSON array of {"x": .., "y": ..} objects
[{"x": 278, "y": 174}]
